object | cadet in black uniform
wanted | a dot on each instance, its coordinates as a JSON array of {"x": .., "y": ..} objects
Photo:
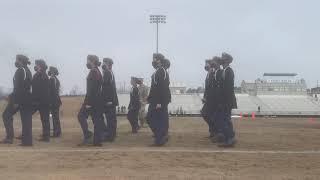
[
  {"x": 159, "y": 98},
  {"x": 214, "y": 102},
  {"x": 229, "y": 101},
  {"x": 92, "y": 105},
  {"x": 40, "y": 97},
  {"x": 134, "y": 106},
  {"x": 205, "y": 111},
  {"x": 110, "y": 101},
  {"x": 54, "y": 100},
  {"x": 20, "y": 100}
]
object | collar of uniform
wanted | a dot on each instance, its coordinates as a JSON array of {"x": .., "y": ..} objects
[{"x": 227, "y": 67}]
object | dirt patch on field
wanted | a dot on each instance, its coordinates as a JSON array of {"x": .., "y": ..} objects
[{"x": 294, "y": 143}]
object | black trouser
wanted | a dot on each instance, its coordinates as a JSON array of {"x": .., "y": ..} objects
[
  {"x": 55, "y": 112},
  {"x": 97, "y": 122},
  {"x": 159, "y": 122},
  {"x": 224, "y": 123},
  {"x": 26, "y": 120},
  {"x": 133, "y": 117},
  {"x": 44, "y": 116},
  {"x": 110, "y": 126}
]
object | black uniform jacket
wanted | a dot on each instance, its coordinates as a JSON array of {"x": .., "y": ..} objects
[
  {"x": 22, "y": 82},
  {"x": 134, "y": 99},
  {"x": 229, "y": 97},
  {"x": 160, "y": 92},
  {"x": 109, "y": 90},
  {"x": 40, "y": 88},
  {"x": 208, "y": 85},
  {"x": 215, "y": 91},
  {"x": 54, "y": 91},
  {"x": 94, "y": 83}
]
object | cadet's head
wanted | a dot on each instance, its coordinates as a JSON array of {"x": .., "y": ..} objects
[
  {"x": 157, "y": 60},
  {"x": 40, "y": 65},
  {"x": 216, "y": 62},
  {"x": 226, "y": 59},
  {"x": 140, "y": 81},
  {"x": 53, "y": 71},
  {"x": 93, "y": 61},
  {"x": 166, "y": 64},
  {"x": 107, "y": 64},
  {"x": 22, "y": 61},
  {"x": 133, "y": 81},
  {"x": 208, "y": 65}
]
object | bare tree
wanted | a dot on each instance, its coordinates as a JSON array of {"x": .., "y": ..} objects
[{"x": 74, "y": 91}]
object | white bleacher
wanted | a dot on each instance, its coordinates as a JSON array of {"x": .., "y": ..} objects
[
  {"x": 269, "y": 104},
  {"x": 245, "y": 104},
  {"x": 289, "y": 104}
]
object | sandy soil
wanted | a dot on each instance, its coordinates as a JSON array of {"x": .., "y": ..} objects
[{"x": 279, "y": 148}]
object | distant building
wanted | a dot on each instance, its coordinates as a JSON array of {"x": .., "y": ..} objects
[
  {"x": 275, "y": 83},
  {"x": 178, "y": 88}
]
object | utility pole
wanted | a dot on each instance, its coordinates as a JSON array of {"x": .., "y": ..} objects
[{"x": 158, "y": 19}]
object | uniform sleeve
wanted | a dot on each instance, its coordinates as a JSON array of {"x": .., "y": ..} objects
[
  {"x": 205, "y": 88},
  {"x": 161, "y": 87},
  {"x": 229, "y": 81},
  {"x": 107, "y": 77},
  {"x": 229, "y": 87},
  {"x": 52, "y": 87},
  {"x": 94, "y": 88},
  {"x": 136, "y": 98},
  {"x": 46, "y": 86},
  {"x": 18, "y": 88}
]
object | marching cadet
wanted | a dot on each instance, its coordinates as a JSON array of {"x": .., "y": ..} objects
[
  {"x": 205, "y": 111},
  {"x": 166, "y": 66},
  {"x": 40, "y": 97},
  {"x": 110, "y": 101},
  {"x": 143, "y": 92},
  {"x": 229, "y": 102},
  {"x": 214, "y": 99},
  {"x": 54, "y": 100},
  {"x": 92, "y": 103},
  {"x": 159, "y": 98},
  {"x": 134, "y": 106},
  {"x": 20, "y": 100}
]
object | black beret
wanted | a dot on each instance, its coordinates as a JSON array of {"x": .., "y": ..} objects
[
  {"x": 24, "y": 59},
  {"x": 94, "y": 59},
  {"x": 226, "y": 57},
  {"x": 134, "y": 79},
  {"x": 108, "y": 60},
  {"x": 216, "y": 60},
  {"x": 139, "y": 80},
  {"x": 54, "y": 70},
  {"x": 41, "y": 63},
  {"x": 209, "y": 61},
  {"x": 158, "y": 56},
  {"x": 166, "y": 64}
]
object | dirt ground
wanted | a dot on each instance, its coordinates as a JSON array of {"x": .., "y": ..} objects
[{"x": 267, "y": 148}]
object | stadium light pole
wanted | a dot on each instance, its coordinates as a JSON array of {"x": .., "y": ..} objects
[{"x": 157, "y": 19}]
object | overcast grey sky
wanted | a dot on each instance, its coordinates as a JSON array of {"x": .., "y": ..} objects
[{"x": 263, "y": 36}]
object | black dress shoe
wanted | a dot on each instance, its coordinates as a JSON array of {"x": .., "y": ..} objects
[
  {"x": 110, "y": 140},
  {"x": 25, "y": 145},
  {"x": 56, "y": 135},
  {"x": 44, "y": 139},
  {"x": 6, "y": 141},
  {"x": 86, "y": 142},
  {"x": 228, "y": 144},
  {"x": 97, "y": 145}
]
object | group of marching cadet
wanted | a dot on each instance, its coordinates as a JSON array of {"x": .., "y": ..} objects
[
  {"x": 40, "y": 92},
  {"x": 219, "y": 100}
]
